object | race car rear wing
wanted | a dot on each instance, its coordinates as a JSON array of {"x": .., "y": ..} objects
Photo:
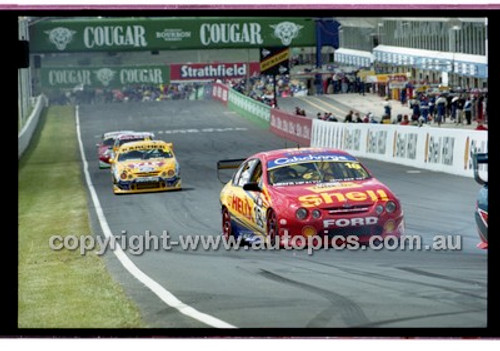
[
  {"x": 228, "y": 164},
  {"x": 477, "y": 159}
]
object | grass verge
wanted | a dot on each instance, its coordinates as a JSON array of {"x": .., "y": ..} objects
[{"x": 61, "y": 289}]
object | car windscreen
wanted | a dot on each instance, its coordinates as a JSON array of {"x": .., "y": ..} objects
[
  {"x": 147, "y": 154},
  {"x": 129, "y": 140},
  {"x": 317, "y": 172},
  {"x": 108, "y": 142}
]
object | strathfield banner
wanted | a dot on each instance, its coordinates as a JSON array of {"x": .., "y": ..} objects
[
  {"x": 103, "y": 77},
  {"x": 210, "y": 71},
  {"x": 168, "y": 33}
]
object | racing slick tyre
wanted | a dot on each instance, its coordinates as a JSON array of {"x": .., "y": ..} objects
[
  {"x": 272, "y": 229},
  {"x": 227, "y": 228}
]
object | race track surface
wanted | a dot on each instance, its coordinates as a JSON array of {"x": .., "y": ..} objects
[{"x": 285, "y": 288}]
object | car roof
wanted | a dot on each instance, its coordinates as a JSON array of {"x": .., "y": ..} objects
[
  {"x": 291, "y": 152},
  {"x": 146, "y": 144},
  {"x": 134, "y": 135},
  {"x": 115, "y": 134}
]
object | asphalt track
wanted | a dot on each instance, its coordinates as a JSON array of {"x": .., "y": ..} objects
[{"x": 285, "y": 288}]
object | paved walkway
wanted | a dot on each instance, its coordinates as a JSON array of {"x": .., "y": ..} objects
[{"x": 375, "y": 104}]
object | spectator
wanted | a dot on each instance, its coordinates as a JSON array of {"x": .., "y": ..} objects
[
  {"x": 318, "y": 115},
  {"x": 358, "y": 118},
  {"x": 348, "y": 117},
  {"x": 332, "y": 118},
  {"x": 372, "y": 118},
  {"x": 468, "y": 111},
  {"x": 366, "y": 119},
  {"x": 424, "y": 108},
  {"x": 325, "y": 116},
  {"x": 399, "y": 118},
  {"x": 405, "y": 121},
  {"x": 387, "y": 108},
  {"x": 441, "y": 108},
  {"x": 460, "y": 109},
  {"x": 481, "y": 126},
  {"x": 454, "y": 108},
  {"x": 416, "y": 110}
]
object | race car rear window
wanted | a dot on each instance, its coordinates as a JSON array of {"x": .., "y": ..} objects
[
  {"x": 108, "y": 142},
  {"x": 317, "y": 172},
  {"x": 144, "y": 155}
]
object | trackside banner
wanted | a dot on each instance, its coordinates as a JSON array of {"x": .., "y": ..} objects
[
  {"x": 249, "y": 108},
  {"x": 169, "y": 33},
  {"x": 103, "y": 77},
  {"x": 439, "y": 149},
  {"x": 291, "y": 127},
  {"x": 210, "y": 71},
  {"x": 220, "y": 92}
]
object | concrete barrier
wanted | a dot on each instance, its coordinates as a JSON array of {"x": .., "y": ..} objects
[
  {"x": 26, "y": 133},
  {"x": 220, "y": 92},
  {"x": 438, "y": 149}
]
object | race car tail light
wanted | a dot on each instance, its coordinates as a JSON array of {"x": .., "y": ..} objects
[
  {"x": 379, "y": 209},
  {"x": 309, "y": 231},
  {"x": 389, "y": 226},
  {"x": 316, "y": 213},
  {"x": 390, "y": 206},
  {"x": 301, "y": 213}
]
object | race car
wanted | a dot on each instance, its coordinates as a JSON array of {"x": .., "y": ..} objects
[
  {"x": 145, "y": 166},
  {"x": 481, "y": 213},
  {"x": 105, "y": 147},
  {"x": 286, "y": 196},
  {"x": 130, "y": 137}
]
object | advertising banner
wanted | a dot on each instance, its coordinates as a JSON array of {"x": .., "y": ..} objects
[
  {"x": 211, "y": 71},
  {"x": 439, "y": 149},
  {"x": 168, "y": 33},
  {"x": 291, "y": 127},
  {"x": 103, "y": 77},
  {"x": 249, "y": 108},
  {"x": 220, "y": 92}
]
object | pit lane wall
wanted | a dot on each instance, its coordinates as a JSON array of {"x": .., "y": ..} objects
[
  {"x": 446, "y": 150},
  {"x": 26, "y": 133}
]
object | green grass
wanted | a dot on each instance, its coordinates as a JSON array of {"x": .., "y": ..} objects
[{"x": 61, "y": 289}]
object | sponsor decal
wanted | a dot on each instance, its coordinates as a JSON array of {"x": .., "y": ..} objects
[
  {"x": 111, "y": 36},
  {"x": 286, "y": 31},
  {"x": 349, "y": 222},
  {"x": 376, "y": 141},
  {"x": 144, "y": 147},
  {"x": 352, "y": 139},
  {"x": 241, "y": 206},
  {"x": 405, "y": 145},
  {"x": 440, "y": 150},
  {"x": 315, "y": 200},
  {"x": 213, "y": 70},
  {"x": 216, "y": 33},
  {"x": 60, "y": 37},
  {"x": 173, "y": 34},
  {"x": 105, "y": 75},
  {"x": 321, "y": 187},
  {"x": 473, "y": 146},
  {"x": 308, "y": 158}
]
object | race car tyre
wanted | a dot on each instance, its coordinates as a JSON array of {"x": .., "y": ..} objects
[
  {"x": 227, "y": 228},
  {"x": 272, "y": 227}
]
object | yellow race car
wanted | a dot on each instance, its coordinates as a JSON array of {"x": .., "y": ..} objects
[{"x": 145, "y": 166}]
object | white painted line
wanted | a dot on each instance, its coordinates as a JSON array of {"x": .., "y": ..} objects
[
  {"x": 413, "y": 171},
  {"x": 156, "y": 288}
]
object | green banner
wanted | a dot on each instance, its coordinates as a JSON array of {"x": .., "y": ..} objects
[
  {"x": 104, "y": 77},
  {"x": 249, "y": 108},
  {"x": 169, "y": 33}
]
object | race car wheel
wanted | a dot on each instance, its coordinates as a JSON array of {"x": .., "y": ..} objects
[
  {"x": 227, "y": 229},
  {"x": 272, "y": 227}
]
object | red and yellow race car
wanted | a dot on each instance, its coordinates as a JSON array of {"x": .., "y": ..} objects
[
  {"x": 145, "y": 166},
  {"x": 284, "y": 196},
  {"x": 105, "y": 147}
]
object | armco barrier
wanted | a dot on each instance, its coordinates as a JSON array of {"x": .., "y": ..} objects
[
  {"x": 220, "y": 92},
  {"x": 249, "y": 108},
  {"x": 291, "y": 127},
  {"x": 26, "y": 133},
  {"x": 439, "y": 149}
]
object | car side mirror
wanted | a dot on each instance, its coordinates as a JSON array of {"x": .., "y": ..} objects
[{"x": 252, "y": 187}]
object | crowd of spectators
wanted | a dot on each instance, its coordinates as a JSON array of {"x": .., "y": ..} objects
[{"x": 143, "y": 93}]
